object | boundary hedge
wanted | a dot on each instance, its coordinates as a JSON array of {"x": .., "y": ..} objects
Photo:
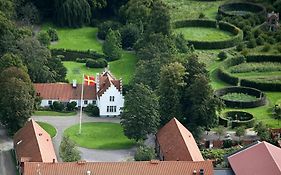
[
  {"x": 241, "y": 6},
  {"x": 238, "y": 34},
  {"x": 246, "y": 120},
  {"x": 261, "y": 97},
  {"x": 72, "y": 55}
]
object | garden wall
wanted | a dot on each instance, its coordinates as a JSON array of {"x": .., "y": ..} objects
[{"x": 226, "y": 9}]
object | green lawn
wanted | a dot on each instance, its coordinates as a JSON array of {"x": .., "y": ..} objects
[
  {"x": 203, "y": 34},
  {"x": 239, "y": 97},
  {"x": 100, "y": 136},
  {"x": 123, "y": 68},
  {"x": 76, "y": 39},
  {"x": 48, "y": 128},
  {"x": 54, "y": 113}
]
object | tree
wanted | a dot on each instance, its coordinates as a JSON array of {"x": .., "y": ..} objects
[
  {"x": 44, "y": 38},
  {"x": 240, "y": 131},
  {"x": 7, "y": 34},
  {"x": 129, "y": 35},
  {"x": 220, "y": 131},
  {"x": 112, "y": 45},
  {"x": 145, "y": 153},
  {"x": 170, "y": 91},
  {"x": 8, "y": 8},
  {"x": 72, "y": 13},
  {"x": 29, "y": 14},
  {"x": 57, "y": 69},
  {"x": 140, "y": 116},
  {"x": 68, "y": 150},
  {"x": 262, "y": 131},
  {"x": 277, "y": 112},
  {"x": 17, "y": 98},
  {"x": 11, "y": 60}
]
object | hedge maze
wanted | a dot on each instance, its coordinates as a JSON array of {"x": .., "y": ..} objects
[
  {"x": 241, "y": 9},
  {"x": 223, "y": 26}
]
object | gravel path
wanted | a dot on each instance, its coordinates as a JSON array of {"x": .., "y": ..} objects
[{"x": 93, "y": 155}]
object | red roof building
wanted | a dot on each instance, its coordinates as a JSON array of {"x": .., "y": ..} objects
[
  {"x": 120, "y": 168},
  {"x": 176, "y": 143},
  {"x": 33, "y": 144},
  {"x": 260, "y": 159}
]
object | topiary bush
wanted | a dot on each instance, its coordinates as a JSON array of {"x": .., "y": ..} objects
[
  {"x": 44, "y": 38},
  {"x": 57, "y": 106},
  {"x": 99, "y": 63},
  {"x": 222, "y": 55},
  {"x": 53, "y": 34},
  {"x": 71, "y": 106},
  {"x": 92, "y": 110}
]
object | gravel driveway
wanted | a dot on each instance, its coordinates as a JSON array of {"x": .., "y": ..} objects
[{"x": 93, "y": 155}]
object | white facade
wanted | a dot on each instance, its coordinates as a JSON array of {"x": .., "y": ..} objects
[
  {"x": 48, "y": 102},
  {"x": 111, "y": 102}
]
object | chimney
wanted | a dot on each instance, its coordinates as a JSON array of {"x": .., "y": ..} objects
[
  {"x": 88, "y": 172},
  {"x": 74, "y": 83}
]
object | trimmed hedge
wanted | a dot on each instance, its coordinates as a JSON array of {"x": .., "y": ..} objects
[
  {"x": 99, "y": 63},
  {"x": 237, "y": 119},
  {"x": 212, "y": 24},
  {"x": 261, "y": 97},
  {"x": 265, "y": 86},
  {"x": 72, "y": 55},
  {"x": 226, "y": 9}
]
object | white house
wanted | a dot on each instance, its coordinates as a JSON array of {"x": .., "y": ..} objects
[{"x": 106, "y": 94}]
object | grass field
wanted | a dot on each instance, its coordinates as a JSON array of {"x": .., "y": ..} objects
[
  {"x": 239, "y": 97},
  {"x": 54, "y": 113},
  {"x": 48, "y": 128},
  {"x": 123, "y": 68},
  {"x": 100, "y": 136},
  {"x": 203, "y": 34}
]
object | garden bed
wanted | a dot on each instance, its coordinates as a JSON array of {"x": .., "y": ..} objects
[
  {"x": 208, "y": 34},
  {"x": 251, "y": 97}
]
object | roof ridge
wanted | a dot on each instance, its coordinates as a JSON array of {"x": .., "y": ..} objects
[
  {"x": 269, "y": 150},
  {"x": 34, "y": 132},
  {"x": 244, "y": 149}
]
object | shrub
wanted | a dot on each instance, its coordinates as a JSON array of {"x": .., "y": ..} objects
[
  {"x": 201, "y": 15},
  {"x": 252, "y": 43},
  {"x": 72, "y": 55},
  {"x": 68, "y": 150},
  {"x": 99, "y": 63},
  {"x": 92, "y": 110},
  {"x": 278, "y": 48},
  {"x": 260, "y": 40},
  {"x": 181, "y": 43},
  {"x": 266, "y": 47},
  {"x": 129, "y": 35},
  {"x": 44, "y": 38},
  {"x": 104, "y": 27},
  {"x": 57, "y": 106},
  {"x": 227, "y": 143},
  {"x": 80, "y": 60},
  {"x": 222, "y": 55},
  {"x": 71, "y": 106},
  {"x": 240, "y": 47},
  {"x": 53, "y": 34},
  {"x": 145, "y": 153}
]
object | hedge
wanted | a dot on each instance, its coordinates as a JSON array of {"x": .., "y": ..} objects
[
  {"x": 72, "y": 55},
  {"x": 212, "y": 24},
  {"x": 244, "y": 119},
  {"x": 261, "y": 97},
  {"x": 241, "y": 6}
]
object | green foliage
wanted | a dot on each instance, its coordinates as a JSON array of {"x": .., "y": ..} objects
[
  {"x": 181, "y": 44},
  {"x": 145, "y": 153},
  {"x": 220, "y": 131},
  {"x": 104, "y": 27},
  {"x": 57, "y": 106},
  {"x": 68, "y": 150},
  {"x": 53, "y": 34},
  {"x": 92, "y": 110},
  {"x": 277, "y": 5},
  {"x": 16, "y": 98},
  {"x": 57, "y": 68},
  {"x": 256, "y": 67},
  {"x": 169, "y": 91},
  {"x": 252, "y": 43},
  {"x": 240, "y": 47},
  {"x": 140, "y": 116},
  {"x": 129, "y": 35},
  {"x": 51, "y": 130},
  {"x": 222, "y": 55},
  {"x": 8, "y": 8},
  {"x": 99, "y": 63},
  {"x": 8, "y": 32},
  {"x": 262, "y": 131},
  {"x": 112, "y": 45},
  {"x": 72, "y": 55},
  {"x": 72, "y": 13},
  {"x": 266, "y": 47},
  {"x": 71, "y": 106},
  {"x": 29, "y": 14},
  {"x": 240, "y": 131},
  {"x": 11, "y": 60},
  {"x": 44, "y": 38}
]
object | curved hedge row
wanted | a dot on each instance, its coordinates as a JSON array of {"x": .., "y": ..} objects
[
  {"x": 227, "y": 77},
  {"x": 237, "y": 119},
  {"x": 238, "y": 34},
  {"x": 261, "y": 97},
  {"x": 226, "y": 9},
  {"x": 72, "y": 55}
]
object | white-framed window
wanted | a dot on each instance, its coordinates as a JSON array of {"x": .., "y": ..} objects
[
  {"x": 111, "y": 109},
  {"x": 107, "y": 109},
  {"x": 111, "y": 98},
  {"x": 85, "y": 102},
  {"x": 50, "y": 102},
  {"x": 114, "y": 108}
]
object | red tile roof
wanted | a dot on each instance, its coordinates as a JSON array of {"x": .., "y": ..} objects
[
  {"x": 120, "y": 168},
  {"x": 32, "y": 143},
  {"x": 259, "y": 159},
  {"x": 177, "y": 143},
  {"x": 64, "y": 91},
  {"x": 105, "y": 80}
]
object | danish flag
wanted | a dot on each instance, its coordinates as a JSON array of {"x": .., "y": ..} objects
[{"x": 89, "y": 80}]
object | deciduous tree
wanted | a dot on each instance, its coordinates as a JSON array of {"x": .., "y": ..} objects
[
  {"x": 68, "y": 150},
  {"x": 112, "y": 45}
]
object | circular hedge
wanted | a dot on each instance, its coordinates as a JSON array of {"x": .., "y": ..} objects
[
  {"x": 237, "y": 119},
  {"x": 224, "y": 26},
  {"x": 226, "y": 76},
  {"x": 260, "y": 97},
  {"x": 241, "y": 9}
]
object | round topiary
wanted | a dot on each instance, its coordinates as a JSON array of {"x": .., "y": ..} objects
[
  {"x": 241, "y": 9},
  {"x": 237, "y": 119}
]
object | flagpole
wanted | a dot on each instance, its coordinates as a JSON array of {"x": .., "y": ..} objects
[{"x": 81, "y": 106}]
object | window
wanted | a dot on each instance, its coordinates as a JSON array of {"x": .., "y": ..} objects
[
  {"x": 111, "y": 98},
  {"x": 94, "y": 102},
  {"x": 85, "y": 102},
  {"x": 107, "y": 109},
  {"x": 114, "y": 109},
  {"x": 111, "y": 108},
  {"x": 50, "y": 102}
]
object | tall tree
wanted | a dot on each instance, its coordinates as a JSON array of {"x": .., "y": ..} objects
[
  {"x": 11, "y": 60},
  {"x": 17, "y": 97},
  {"x": 7, "y": 7},
  {"x": 140, "y": 116},
  {"x": 7, "y": 34},
  {"x": 68, "y": 150},
  {"x": 170, "y": 91},
  {"x": 112, "y": 45}
]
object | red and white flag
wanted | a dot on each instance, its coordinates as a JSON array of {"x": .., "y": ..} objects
[{"x": 89, "y": 80}]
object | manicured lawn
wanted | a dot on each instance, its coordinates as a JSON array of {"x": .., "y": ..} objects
[
  {"x": 100, "y": 136},
  {"x": 76, "y": 39},
  {"x": 123, "y": 68},
  {"x": 203, "y": 34},
  {"x": 239, "y": 97},
  {"x": 53, "y": 113},
  {"x": 48, "y": 128}
]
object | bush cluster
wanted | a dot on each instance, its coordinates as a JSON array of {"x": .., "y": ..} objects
[
  {"x": 72, "y": 55},
  {"x": 59, "y": 106},
  {"x": 99, "y": 63},
  {"x": 53, "y": 34},
  {"x": 92, "y": 110},
  {"x": 104, "y": 27}
]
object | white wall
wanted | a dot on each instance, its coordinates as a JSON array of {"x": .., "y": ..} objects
[
  {"x": 45, "y": 103},
  {"x": 104, "y": 101}
]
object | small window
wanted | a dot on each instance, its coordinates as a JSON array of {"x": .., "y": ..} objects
[
  {"x": 114, "y": 109},
  {"x": 111, "y": 98},
  {"x": 85, "y": 102},
  {"x": 107, "y": 109},
  {"x": 50, "y": 102},
  {"x": 94, "y": 102}
]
